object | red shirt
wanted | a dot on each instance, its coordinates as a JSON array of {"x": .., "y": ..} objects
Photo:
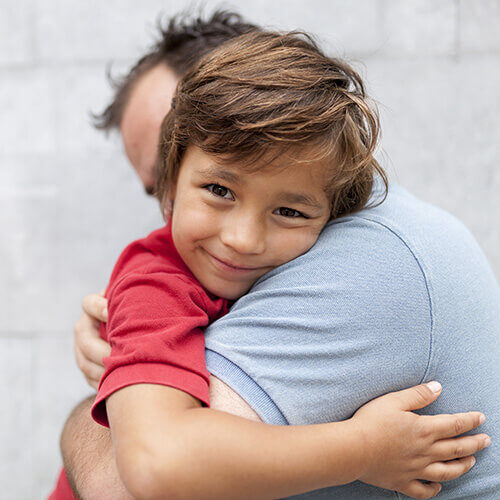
[
  {"x": 157, "y": 313},
  {"x": 63, "y": 489}
]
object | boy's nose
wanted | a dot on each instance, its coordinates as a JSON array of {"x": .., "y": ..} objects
[{"x": 244, "y": 235}]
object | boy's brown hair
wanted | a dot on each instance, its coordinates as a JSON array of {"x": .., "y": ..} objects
[{"x": 264, "y": 94}]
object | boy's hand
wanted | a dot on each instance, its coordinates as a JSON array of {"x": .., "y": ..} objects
[
  {"x": 90, "y": 348},
  {"x": 403, "y": 448}
]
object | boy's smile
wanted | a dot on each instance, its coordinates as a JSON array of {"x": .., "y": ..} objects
[{"x": 231, "y": 226}]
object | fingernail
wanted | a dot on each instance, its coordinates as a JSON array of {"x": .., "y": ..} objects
[
  {"x": 472, "y": 462},
  {"x": 105, "y": 312},
  {"x": 439, "y": 488},
  {"x": 487, "y": 441},
  {"x": 482, "y": 419},
  {"x": 434, "y": 386}
]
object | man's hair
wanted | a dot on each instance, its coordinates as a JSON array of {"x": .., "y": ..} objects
[
  {"x": 180, "y": 45},
  {"x": 265, "y": 94}
]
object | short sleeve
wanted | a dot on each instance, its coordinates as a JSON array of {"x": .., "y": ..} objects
[
  {"x": 155, "y": 329},
  {"x": 318, "y": 337}
]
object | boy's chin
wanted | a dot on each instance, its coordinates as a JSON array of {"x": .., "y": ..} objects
[{"x": 226, "y": 291}]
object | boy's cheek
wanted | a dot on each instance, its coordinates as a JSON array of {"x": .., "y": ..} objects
[
  {"x": 192, "y": 222},
  {"x": 298, "y": 247}
]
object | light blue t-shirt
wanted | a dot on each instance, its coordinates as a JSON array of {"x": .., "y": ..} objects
[{"x": 387, "y": 298}]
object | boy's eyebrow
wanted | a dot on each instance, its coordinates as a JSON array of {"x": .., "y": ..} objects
[
  {"x": 303, "y": 199},
  {"x": 225, "y": 175}
]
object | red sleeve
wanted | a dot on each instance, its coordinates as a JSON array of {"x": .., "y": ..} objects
[
  {"x": 62, "y": 490},
  {"x": 155, "y": 331}
]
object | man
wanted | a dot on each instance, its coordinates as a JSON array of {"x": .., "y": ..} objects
[{"x": 377, "y": 305}]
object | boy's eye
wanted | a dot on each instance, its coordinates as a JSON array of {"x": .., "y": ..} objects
[
  {"x": 220, "y": 191},
  {"x": 290, "y": 212},
  {"x": 224, "y": 192}
]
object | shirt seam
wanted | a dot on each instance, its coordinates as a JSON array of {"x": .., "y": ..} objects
[
  {"x": 427, "y": 288},
  {"x": 252, "y": 379},
  {"x": 200, "y": 295}
]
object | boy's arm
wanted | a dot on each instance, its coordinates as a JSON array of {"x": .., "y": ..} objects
[
  {"x": 87, "y": 450},
  {"x": 166, "y": 445}
]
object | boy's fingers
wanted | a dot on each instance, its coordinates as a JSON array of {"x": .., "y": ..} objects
[
  {"x": 450, "y": 449},
  {"x": 90, "y": 370},
  {"x": 93, "y": 383},
  {"x": 447, "y": 426},
  {"x": 417, "y": 489},
  {"x": 95, "y": 305},
  {"x": 446, "y": 471},
  {"x": 418, "y": 396},
  {"x": 95, "y": 349}
]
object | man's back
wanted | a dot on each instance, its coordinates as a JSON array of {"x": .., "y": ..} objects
[{"x": 390, "y": 297}]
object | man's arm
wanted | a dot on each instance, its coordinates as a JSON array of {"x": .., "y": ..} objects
[
  {"x": 87, "y": 452},
  {"x": 86, "y": 446},
  {"x": 88, "y": 458}
]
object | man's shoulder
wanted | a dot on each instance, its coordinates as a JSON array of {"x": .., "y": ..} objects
[
  {"x": 376, "y": 250},
  {"x": 404, "y": 236},
  {"x": 447, "y": 255},
  {"x": 401, "y": 219}
]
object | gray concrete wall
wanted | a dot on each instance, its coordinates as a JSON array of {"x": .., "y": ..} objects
[{"x": 69, "y": 202}]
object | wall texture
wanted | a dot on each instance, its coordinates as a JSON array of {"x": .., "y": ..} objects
[{"x": 69, "y": 202}]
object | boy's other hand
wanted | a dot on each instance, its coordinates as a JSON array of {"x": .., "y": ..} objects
[
  {"x": 402, "y": 449},
  {"x": 90, "y": 348}
]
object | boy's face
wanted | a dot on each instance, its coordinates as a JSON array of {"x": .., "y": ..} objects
[{"x": 231, "y": 227}]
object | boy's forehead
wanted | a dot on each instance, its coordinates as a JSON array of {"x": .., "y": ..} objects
[
  {"x": 289, "y": 169},
  {"x": 280, "y": 165},
  {"x": 240, "y": 174}
]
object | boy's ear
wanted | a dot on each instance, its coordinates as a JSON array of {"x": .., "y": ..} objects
[
  {"x": 171, "y": 191},
  {"x": 169, "y": 202},
  {"x": 168, "y": 208}
]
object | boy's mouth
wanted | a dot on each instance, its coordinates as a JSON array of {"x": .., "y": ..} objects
[{"x": 231, "y": 266}]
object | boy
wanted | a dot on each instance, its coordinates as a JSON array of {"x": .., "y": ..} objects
[{"x": 254, "y": 163}]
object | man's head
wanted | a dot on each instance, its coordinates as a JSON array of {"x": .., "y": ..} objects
[
  {"x": 142, "y": 98},
  {"x": 266, "y": 141}
]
